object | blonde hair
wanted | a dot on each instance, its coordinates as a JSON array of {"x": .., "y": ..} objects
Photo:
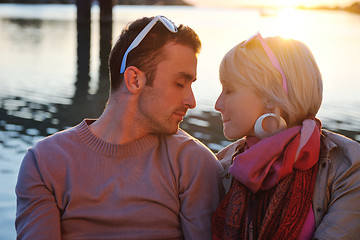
[{"x": 250, "y": 66}]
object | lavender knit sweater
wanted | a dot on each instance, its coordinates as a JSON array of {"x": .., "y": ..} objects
[{"x": 73, "y": 185}]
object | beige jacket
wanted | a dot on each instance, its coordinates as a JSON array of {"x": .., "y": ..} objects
[{"x": 336, "y": 200}]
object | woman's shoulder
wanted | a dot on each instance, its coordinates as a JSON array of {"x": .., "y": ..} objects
[
  {"x": 347, "y": 146},
  {"x": 225, "y": 154},
  {"x": 342, "y": 152},
  {"x": 230, "y": 149},
  {"x": 338, "y": 138}
]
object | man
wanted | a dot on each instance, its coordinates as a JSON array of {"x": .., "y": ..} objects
[{"x": 131, "y": 174}]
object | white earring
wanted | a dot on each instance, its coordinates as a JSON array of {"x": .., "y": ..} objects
[{"x": 259, "y": 130}]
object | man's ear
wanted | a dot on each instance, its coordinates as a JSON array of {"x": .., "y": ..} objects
[{"x": 134, "y": 79}]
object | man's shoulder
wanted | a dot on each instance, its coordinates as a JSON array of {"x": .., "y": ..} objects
[
  {"x": 56, "y": 140},
  {"x": 182, "y": 134},
  {"x": 182, "y": 146},
  {"x": 185, "y": 152},
  {"x": 183, "y": 140}
]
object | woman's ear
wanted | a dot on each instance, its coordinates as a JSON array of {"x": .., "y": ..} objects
[
  {"x": 269, "y": 105},
  {"x": 134, "y": 79}
]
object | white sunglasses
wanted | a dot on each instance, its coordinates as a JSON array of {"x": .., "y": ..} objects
[
  {"x": 165, "y": 21},
  {"x": 273, "y": 59}
]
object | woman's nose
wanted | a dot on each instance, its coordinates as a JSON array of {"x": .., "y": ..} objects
[{"x": 219, "y": 103}]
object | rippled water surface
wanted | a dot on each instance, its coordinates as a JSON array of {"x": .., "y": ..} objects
[{"x": 52, "y": 76}]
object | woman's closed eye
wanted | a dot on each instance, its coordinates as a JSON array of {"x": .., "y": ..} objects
[{"x": 228, "y": 90}]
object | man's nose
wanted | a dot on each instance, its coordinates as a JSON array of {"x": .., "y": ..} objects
[{"x": 190, "y": 101}]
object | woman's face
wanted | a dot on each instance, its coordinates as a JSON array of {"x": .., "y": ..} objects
[{"x": 240, "y": 107}]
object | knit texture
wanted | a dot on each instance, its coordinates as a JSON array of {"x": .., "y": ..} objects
[{"x": 73, "y": 185}]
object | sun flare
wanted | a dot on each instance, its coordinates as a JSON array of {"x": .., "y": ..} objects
[
  {"x": 289, "y": 23},
  {"x": 281, "y": 3}
]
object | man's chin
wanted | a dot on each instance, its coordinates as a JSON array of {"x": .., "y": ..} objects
[
  {"x": 171, "y": 132},
  {"x": 166, "y": 131}
]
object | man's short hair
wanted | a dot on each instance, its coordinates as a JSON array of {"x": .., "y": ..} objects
[{"x": 149, "y": 52}]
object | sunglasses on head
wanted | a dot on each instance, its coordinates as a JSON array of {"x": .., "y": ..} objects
[
  {"x": 274, "y": 61},
  {"x": 165, "y": 21}
]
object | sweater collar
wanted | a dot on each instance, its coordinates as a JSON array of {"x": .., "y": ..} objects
[{"x": 100, "y": 146}]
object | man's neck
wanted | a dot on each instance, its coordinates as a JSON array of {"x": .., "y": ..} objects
[{"x": 117, "y": 124}]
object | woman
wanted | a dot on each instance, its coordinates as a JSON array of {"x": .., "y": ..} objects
[{"x": 286, "y": 178}]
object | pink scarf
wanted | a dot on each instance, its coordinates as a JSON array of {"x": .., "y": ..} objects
[
  {"x": 285, "y": 167},
  {"x": 262, "y": 165}
]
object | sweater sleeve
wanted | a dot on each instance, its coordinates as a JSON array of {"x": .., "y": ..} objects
[
  {"x": 37, "y": 214},
  {"x": 200, "y": 189}
]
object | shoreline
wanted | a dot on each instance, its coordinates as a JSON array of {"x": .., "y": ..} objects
[
  {"x": 353, "y": 8},
  {"x": 116, "y": 2}
]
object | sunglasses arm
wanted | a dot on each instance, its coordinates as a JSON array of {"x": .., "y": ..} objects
[{"x": 136, "y": 42}]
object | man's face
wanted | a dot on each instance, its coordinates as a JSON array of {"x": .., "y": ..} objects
[{"x": 163, "y": 105}]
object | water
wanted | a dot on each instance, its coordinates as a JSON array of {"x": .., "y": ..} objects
[{"x": 48, "y": 83}]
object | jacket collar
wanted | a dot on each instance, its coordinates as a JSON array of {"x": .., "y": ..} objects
[{"x": 326, "y": 145}]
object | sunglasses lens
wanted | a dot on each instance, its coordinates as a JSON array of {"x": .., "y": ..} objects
[
  {"x": 249, "y": 40},
  {"x": 168, "y": 24}
]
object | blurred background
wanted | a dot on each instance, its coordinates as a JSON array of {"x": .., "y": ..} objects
[{"x": 53, "y": 64}]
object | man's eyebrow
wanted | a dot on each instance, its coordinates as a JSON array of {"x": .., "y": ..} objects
[{"x": 186, "y": 76}]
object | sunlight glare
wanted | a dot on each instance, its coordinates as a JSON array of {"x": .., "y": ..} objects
[
  {"x": 289, "y": 23},
  {"x": 283, "y": 3},
  {"x": 289, "y": 3}
]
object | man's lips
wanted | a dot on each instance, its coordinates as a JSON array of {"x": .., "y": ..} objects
[{"x": 181, "y": 115}]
